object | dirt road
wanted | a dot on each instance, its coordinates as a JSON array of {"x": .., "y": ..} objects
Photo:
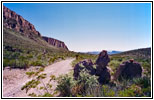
[{"x": 14, "y": 79}]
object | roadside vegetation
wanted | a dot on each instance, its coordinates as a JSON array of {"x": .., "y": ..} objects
[
  {"x": 88, "y": 86},
  {"x": 22, "y": 52}
]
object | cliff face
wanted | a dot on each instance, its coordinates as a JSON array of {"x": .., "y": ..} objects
[
  {"x": 55, "y": 42},
  {"x": 13, "y": 21}
]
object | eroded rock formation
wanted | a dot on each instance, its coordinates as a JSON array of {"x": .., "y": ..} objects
[
  {"x": 101, "y": 67},
  {"x": 55, "y": 42},
  {"x": 12, "y": 20},
  {"x": 101, "y": 70},
  {"x": 85, "y": 64},
  {"x": 103, "y": 59},
  {"x": 16, "y": 22},
  {"x": 128, "y": 70}
]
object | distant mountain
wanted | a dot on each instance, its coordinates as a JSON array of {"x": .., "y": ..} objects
[{"x": 109, "y": 52}]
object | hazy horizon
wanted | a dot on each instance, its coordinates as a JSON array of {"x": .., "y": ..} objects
[{"x": 91, "y": 26}]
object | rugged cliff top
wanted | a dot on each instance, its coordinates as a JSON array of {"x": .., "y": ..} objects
[{"x": 13, "y": 21}]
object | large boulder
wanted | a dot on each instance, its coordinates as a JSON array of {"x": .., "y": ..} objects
[
  {"x": 101, "y": 70},
  {"x": 101, "y": 67},
  {"x": 128, "y": 70},
  {"x": 103, "y": 59},
  {"x": 104, "y": 76},
  {"x": 85, "y": 64}
]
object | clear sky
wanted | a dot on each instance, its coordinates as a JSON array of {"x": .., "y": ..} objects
[{"x": 91, "y": 26}]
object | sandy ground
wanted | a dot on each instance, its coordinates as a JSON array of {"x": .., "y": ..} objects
[{"x": 14, "y": 79}]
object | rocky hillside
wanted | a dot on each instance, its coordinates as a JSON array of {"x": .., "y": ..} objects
[
  {"x": 142, "y": 53},
  {"x": 55, "y": 42},
  {"x": 15, "y": 22},
  {"x": 18, "y": 23}
]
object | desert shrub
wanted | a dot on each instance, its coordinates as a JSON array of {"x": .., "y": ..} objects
[
  {"x": 15, "y": 63},
  {"x": 147, "y": 91},
  {"x": 87, "y": 79},
  {"x": 131, "y": 91},
  {"x": 147, "y": 66},
  {"x": 65, "y": 83},
  {"x": 101, "y": 91},
  {"x": 37, "y": 63},
  {"x": 137, "y": 87},
  {"x": 62, "y": 57},
  {"x": 86, "y": 82},
  {"x": 34, "y": 83},
  {"x": 52, "y": 60},
  {"x": 42, "y": 76},
  {"x": 21, "y": 63},
  {"x": 144, "y": 82},
  {"x": 46, "y": 95},
  {"x": 114, "y": 64},
  {"x": 30, "y": 73},
  {"x": 41, "y": 69},
  {"x": 5, "y": 62},
  {"x": 15, "y": 55},
  {"x": 107, "y": 91},
  {"x": 12, "y": 62},
  {"x": 126, "y": 93},
  {"x": 39, "y": 57},
  {"x": 31, "y": 84},
  {"x": 32, "y": 95},
  {"x": 30, "y": 56}
]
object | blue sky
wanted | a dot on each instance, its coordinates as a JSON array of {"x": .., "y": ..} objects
[{"x": 91, "y": 26}]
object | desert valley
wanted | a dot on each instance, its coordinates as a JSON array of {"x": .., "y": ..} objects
[{"x": 39, "y": 66}]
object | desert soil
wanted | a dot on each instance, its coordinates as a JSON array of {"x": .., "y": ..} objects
[{"x": 14, "y": 79}]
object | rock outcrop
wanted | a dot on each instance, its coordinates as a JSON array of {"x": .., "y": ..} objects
[
  {"x": 104, "y": 76},
  {"x": 16, "y": 22},
  {"x": 128, "y": 70},
  {"x": 85, "y": 64},
  {"x": 103, "y": 59},
  {"x": 101, "y": 70},
  {"x": 55, "y": 42},
  {"x": 101, "y": 67},
  {"x": 12, "y": 20}
]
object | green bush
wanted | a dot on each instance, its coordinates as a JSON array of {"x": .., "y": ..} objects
[
  {"x": 65, "y": 84},
  {"x": 87, "y": 79},
  {"x": 5, "y": 62},
  {"x": 37, "y": 63},
  {"x": 144, "y": 82},
  {"x": 114, "y": 64},
  {"x": 15, "y": 63},
  {"x": 31, "y": 84},
  {"x": 30, "y": 73},
  {"x": 126, "y": 93}
]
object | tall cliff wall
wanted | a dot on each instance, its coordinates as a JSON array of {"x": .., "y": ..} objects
[
  {"x": 16, "y": 22},
  {"x": 55, "y": 42}
]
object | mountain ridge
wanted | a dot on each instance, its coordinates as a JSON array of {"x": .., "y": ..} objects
[
  {"x": 109, "y": 52},
  {"x": 14, "y": 21}
]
